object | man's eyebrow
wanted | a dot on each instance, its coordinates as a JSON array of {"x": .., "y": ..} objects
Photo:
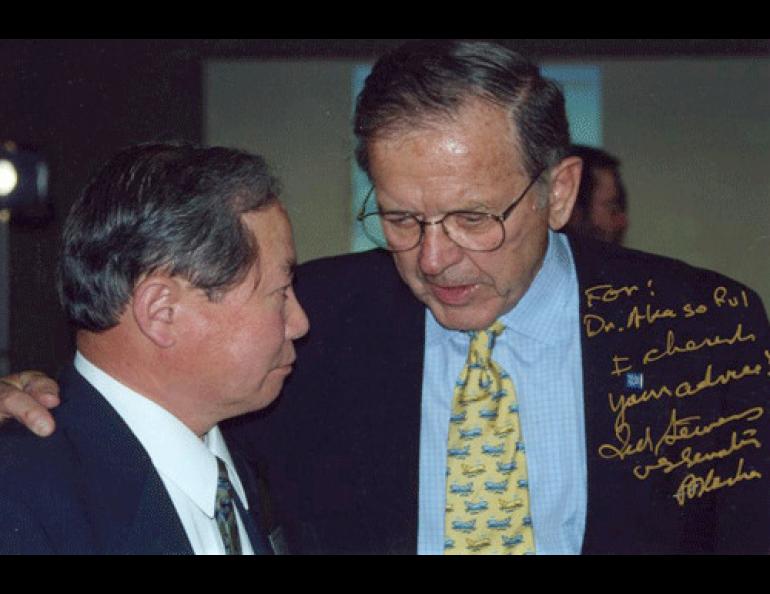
[
  {"x": 476, "y": 204},
  {"x": 471, "y": 202}
]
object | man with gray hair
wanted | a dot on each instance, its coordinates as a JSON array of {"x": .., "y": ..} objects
[
  {"x": 172, "y": 255},
  {"x": 482, "y": 384}
]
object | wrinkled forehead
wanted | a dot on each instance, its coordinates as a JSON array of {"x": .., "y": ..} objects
[
  {"x": 478, "y": 128},
  {"x": 449, "y": 164}
]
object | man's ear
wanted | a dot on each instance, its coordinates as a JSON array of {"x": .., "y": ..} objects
[
  {"x": 155, "y": 302},
  {"x": 565, "y": 181}
]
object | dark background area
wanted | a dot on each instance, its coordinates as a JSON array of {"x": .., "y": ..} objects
[{"x": 77, "y": 101}]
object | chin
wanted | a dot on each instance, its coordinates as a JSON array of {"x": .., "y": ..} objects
[
  {"x": 271, "y": 389},
  {"x": 479, "y": 314},
  {"x": 258, "y": 399}
]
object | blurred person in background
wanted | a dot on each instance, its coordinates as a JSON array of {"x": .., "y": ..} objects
[{"x": 601, "y": 209}]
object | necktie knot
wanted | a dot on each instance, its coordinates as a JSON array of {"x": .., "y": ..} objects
[{"x": 482, "y": 342}]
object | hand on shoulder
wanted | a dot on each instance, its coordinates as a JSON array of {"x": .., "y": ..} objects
[{"x": 26, "y": 397}]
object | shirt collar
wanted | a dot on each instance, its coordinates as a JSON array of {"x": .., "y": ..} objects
[
  {"x": 542, "y": 312},
  {"x": 176, "y": 452}
]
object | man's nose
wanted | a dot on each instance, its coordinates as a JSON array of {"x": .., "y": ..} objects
[
  {"x": 297, "y": 323},
  {"x": 437, "y": 251}
]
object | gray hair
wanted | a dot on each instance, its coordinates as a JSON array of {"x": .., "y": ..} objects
[
  {"x": 152, "y": 207},
  {"x": 423, "y": 80}
]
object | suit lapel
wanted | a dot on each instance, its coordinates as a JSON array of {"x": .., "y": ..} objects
[
  {"x": 155, "y": 528},
  {"x": 129, "y": 508},
  {"x": 610, "y": 494},
  {"x": 587, "y": 276}
]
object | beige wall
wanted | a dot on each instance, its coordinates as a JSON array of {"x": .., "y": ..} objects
[
  {"x": 297, "y": 114},
  {"x": 694, "y": 137}
]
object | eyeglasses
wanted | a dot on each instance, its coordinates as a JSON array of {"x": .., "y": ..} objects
[{"x": 400, "y": 231}]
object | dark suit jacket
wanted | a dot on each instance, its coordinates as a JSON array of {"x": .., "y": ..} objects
[
  {"x": 342, "y": 442},
  {"x": 91, "y": 488}
]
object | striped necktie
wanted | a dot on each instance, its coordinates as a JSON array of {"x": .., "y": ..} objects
[
  {"x": 224, "y": 512},
  {"x": 487, "y": 503}
]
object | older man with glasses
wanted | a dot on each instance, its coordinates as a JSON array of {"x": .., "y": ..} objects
[{"x": 502, "y": 388}]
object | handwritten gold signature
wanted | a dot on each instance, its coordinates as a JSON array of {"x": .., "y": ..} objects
[
  {"x": 678, "y": 429},
  {"x": 693, "y": 486},
  {"x": 672, "y": 348},
  {"x": 674, "y": 449},
  {"x": 607, "y": 293},
  {"x": 622, "y": 402},
  {"x": 648, "y": 314},
  {"x": 689, "y": 457}
]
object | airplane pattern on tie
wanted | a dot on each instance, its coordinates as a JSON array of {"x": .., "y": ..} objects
[{"x": 487, "y": 504}]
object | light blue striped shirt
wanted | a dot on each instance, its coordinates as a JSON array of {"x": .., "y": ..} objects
[{"x": 540, "y": 348}]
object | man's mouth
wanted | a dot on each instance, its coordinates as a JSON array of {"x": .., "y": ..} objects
[
  {"x": 453, "y": 295},
  {"x": 288, "y": 365}
]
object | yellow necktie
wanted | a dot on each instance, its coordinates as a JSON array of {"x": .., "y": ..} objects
[{"x": 487, "y": 503}]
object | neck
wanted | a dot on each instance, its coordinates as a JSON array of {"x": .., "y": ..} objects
[{"x": 144, "y": 370}]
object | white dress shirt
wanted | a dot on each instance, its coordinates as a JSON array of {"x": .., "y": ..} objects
[{"x": 186, "y": 464}]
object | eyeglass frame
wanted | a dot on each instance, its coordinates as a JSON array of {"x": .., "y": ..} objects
[{"x": 501, "y": 218}]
